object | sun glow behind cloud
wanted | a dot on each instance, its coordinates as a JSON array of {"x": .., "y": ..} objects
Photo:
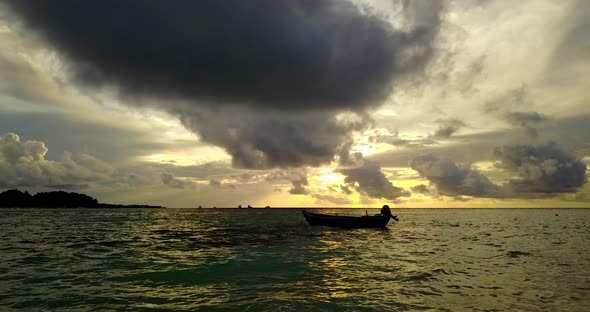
[
  {"x": 490, "y": 64},
  {"x": 327, "y": 175}
]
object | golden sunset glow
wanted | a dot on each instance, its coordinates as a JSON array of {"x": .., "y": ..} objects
[{"x": 461, "y": 113}]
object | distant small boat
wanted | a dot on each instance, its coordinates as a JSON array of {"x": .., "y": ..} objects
[{"x": 375, "y": 221}]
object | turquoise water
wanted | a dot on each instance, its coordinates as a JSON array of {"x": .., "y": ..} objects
[{"x": 268, "y": 260}]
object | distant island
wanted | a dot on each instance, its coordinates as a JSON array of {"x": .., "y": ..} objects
[{"x": 57, "y": 199}]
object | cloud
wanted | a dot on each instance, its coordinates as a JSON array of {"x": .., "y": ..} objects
[
  {"x": 330, "y": 199},
  {"x": 396, "y": 140},
  {"x": 234, "y": 71},
  {"x": 370, "y": 181},
  {"x": 188, "y": 172},
  {"x": 263, "y": 140},
  {"x": 466, "y": 79},
  {"x": 219, "y": 184},
  {"x": 217, "y": 174},
  {"x": 278, "y": 175},
  {"x": 109, "y": 142},
  {"x": 272, "y": 54},
  {"x": 544, "y": 168},
  {"x": 173, "y": 182},
  {"x": 215, "y": 183},
  {"x": 299, "y": 186},
  {"x": 452, "y": 179},
  {"x": 34, "y": 98},
  {"x": 345, "y": 157},
  {"x": 474, "y": 147},
  {"x": 448, "y": 127},
  {"x": 569, "y": 60},
  {"x": 513, "y": 98},
  {"x": 23, "y": 79},
  {"x": 23, "y": 164},
  {"x": 421, "y": 189},
  {"x": 526, "y": 120},
  {"x": 296, "y": 177},
  {"x": 345, "y": 189}
]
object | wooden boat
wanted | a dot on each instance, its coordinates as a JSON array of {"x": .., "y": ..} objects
[{"x": 375, "y": 221}]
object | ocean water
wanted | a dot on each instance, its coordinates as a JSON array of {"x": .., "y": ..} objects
[{"x": 271, "y": 260}]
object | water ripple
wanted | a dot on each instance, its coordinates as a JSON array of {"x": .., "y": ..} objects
[{"x": 267, "y": 260}]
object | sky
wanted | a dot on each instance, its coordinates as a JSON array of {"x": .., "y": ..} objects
[{"x": 332, "y": 103}]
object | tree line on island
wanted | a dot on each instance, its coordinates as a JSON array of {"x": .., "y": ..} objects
[{"x": 56, "y": 199}]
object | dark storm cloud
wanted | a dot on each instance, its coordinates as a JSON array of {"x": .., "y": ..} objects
[
  {"x": 299, "y": 186},
  {"x": 263, "y": 140},
  {"x": 369, "y": 180},
  {"x": 453, "y": 179},
  {"x": 345, "y": 189},
  {"x": 345, "y": 157},
  {"x": 263, "y": 79},
  {"x": 543, "y": 168},
  {"x": 275, "y": 54}
]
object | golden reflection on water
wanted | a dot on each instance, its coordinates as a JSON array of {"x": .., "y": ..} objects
[
  {"x": 334, "y": 282},
  {"x": 329, "y": 245}
]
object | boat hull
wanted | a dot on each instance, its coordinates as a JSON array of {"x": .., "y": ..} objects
[{"x": 377, "y": 221}]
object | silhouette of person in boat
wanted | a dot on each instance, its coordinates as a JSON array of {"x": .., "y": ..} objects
[{"x": 387, "y": 212}]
